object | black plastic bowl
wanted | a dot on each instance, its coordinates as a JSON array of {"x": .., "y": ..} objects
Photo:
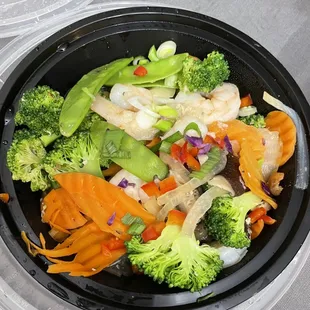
[{"x": 61, "y": 60}]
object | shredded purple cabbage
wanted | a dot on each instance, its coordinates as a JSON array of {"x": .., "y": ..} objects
[
  {"x": 124, "y": 183},
  {"x": 266, "y": 189},
  {"x": 228, "y": 144},
  {"x": 194, "y": 141},
  {"x": 111, "y": 219},
  {"x": 205, "y": 149}
]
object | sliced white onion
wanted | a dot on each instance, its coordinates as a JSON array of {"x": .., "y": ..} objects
[
  {"x": 175, "y": 197},
  {"x": 273, "y": 151},
  {"x": 247, "y": 111},
  {"x": 163, "y": 92},
  {"x": 152, "y": 206},
  {"x": 231, "y": 256},
  {"x": 202, "y": 158},
  {"x": 180, "y": 173},
  {"x": 201, "y": 206},
  {"x": 144, "y": 120},
  {"x": 159, "y": 100},
  {"x": 131, "y": 191},
  {"x": 302, "y": 145},
  {"x": 223, "y": 183},
  {"x": 182, "y": 123},
  {"x": 137, "y": 59},
  {"x": 166, "y": 49},
  {"x": 189, "y": 200},
  {"x": 134, "y": 101},
  {"x": 117, "y": 95}
]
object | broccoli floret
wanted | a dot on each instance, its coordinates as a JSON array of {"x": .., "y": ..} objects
[
  {"x": 25, "y": 160},
  {"x": 74, "y": 154},
  {"x": 226, "y": 219},
  {"x": 89, "y": 120},
  {"x": 255, "y": 120},
  {"x": 205, "y": 75},
  {"x": 39, "y": 109},
  {"x": 176, "y": 259}
]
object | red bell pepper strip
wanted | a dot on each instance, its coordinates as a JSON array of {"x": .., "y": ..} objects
[
  {"x": 268, "y": 220},
  {"x": 256, "y": 214},
  {"x": 140, "y": 71},
  {"x": 246, "y": 101},
  {"x": 167, "y": 185}
]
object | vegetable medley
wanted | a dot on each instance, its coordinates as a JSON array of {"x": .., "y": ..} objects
[{"x": 154, "y": 165}]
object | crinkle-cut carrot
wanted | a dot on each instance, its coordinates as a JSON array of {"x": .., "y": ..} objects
[
  {"x": 104, "y": 261},
  {"x": 58, "y": 201},
  {"x": 282, "y": 123},
  {"x": 98, "y": 199},
  {"x": 88, "y": 253},
  {"x": 4, "y": 197},
  {"x": 62, "y": 267},
  {"x": 77, "y": 246},
  {"x": 251, "y": 173},
  {"x": 239, "y": 131},
  {"x": 79, "y": 234}
]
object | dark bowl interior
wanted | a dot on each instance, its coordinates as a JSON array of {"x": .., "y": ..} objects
[{"x": 60, "y": 62}]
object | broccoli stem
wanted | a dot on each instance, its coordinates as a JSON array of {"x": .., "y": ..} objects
[
  {"x": 48, "y": 139},
  {"x": 92, "y": 167}
]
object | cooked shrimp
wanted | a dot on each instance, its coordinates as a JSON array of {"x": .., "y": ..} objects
[
  {"x": 222, "y": 104},
  {"x": 134, "y": 190},
  {"x": 136, "y": 124},
  {"x": 121, "y": 94}
]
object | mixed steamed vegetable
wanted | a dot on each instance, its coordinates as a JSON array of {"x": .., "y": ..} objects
[{"x": 154, "y": 165}]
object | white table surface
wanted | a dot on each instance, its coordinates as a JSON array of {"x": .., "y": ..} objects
[{"x": 281, "y": 26}]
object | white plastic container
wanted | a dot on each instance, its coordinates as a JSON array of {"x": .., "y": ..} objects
[{"x": 17, "y": 289}]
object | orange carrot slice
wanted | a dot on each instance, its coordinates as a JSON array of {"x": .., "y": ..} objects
[
  {"x": 98, "y": 199},
  {"x": 239, "y": 131},
  {"x": 88, "y": 253},
  {"x": 251, "y": 173},
  {"x": 256, "y": 214},
  {"x": 4, "y": 197},
  {"x": 59, "y": 202},
  {"x": 246, "y": 101},
  {"x": 282, "y": 123}
]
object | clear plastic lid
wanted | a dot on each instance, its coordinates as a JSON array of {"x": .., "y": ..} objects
[{"x": 19, "y": 16}]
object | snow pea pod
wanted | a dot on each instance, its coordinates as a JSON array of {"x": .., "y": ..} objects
[
  {"x": 155, "y": 71},
  {"x": 81, "y": 96}
]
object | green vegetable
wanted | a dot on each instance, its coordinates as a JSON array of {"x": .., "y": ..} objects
[
  {"x": 192, "y": 126},
  {"x": 155, "y": 71},
  {"x": 80, "y": 97},
  {"x": 166, "y": 49},
  {"x": 39, "y": 109},
  {"x": 25, "y": 160},
  {"x": 176, "y": 259},
  {"x": 255, "y": 120},
  {"x": 171, "y": 139},
  {"x": 128, "y": 219},
  {"x": 166, "y": 111},
  {"x": 136, "y": 229},
  {"x": 226, "y": 219},
  {"x": 152, "y": 54},
  {"x": 203, "y": 76},
  {"x": 165, "y": 147},
  {"x": 77, "y": 153},
  {"x": 143, "y": 163},
  {"x": 163, "y": 125},
  {"x": 171, "y": 81},
  {"x": 137, "y": 60},
  {"x": 143, "y": 62},
  {"x": 214, "y": 157}
]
